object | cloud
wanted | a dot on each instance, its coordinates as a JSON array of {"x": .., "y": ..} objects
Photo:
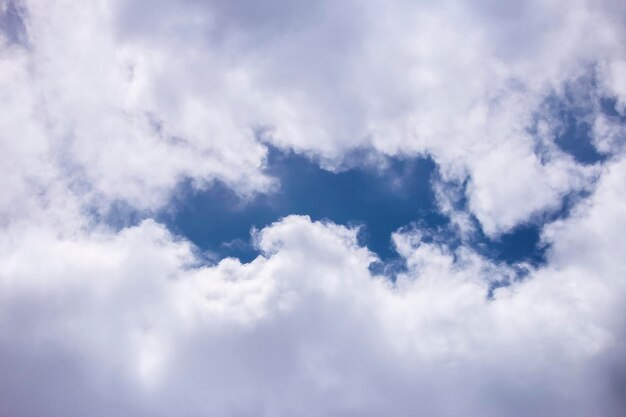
[
  {"x": 129, "y": 322},
  {"x": 114, "y": 102},
  {"x": 189, "y": 87}
]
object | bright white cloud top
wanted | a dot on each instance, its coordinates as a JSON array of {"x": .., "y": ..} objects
[{"x": 118, "y": 103}]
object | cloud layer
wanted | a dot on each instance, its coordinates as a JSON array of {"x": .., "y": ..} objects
[{"x": 111, "y": 104}]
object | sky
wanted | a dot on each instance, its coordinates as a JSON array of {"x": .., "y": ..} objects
[
  {"x": 378, "y": 200},
  {"x": 278, "y": 208}
]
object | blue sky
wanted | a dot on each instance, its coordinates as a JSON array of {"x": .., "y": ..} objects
[{"x": 380, "y": 199}]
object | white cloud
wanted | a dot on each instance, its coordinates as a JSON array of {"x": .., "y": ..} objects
[
  {"x": 112, "y": 101},
  {"x": 186, "y": 85},
  {"x": 306, "y": 328}
]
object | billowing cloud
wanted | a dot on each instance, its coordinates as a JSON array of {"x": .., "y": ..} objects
[
  {"x": 191, "y": 87},
  {"x": 117, "y": 103},
  {"x": 129, "y": 323}
]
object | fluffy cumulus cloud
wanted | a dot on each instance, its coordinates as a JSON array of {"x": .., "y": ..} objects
[{"x": 113, "y": 103}]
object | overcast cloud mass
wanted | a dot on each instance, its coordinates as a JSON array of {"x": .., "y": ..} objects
[{"x": 111, "y": 107}]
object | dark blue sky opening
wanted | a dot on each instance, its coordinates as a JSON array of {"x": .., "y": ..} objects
[
  {"x": 575, "y": 138},
  {"x": 576, "y": 109},
  {"x": 379, "y": 200}
]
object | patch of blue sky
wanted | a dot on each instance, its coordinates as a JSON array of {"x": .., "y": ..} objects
[
  {"x": 380, "y": 201},
  {"x": 574, "y": 110},
  {"x": 575, "y": 138}
]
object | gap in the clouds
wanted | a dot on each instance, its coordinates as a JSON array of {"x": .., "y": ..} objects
[
  {"x": 381, "y": 198},
  {"x": 576, "y": 138},
  {"x": 608, "y": 106},
  {"x": 524, "y": 242},
  {"x": 572, "y": 113}
]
